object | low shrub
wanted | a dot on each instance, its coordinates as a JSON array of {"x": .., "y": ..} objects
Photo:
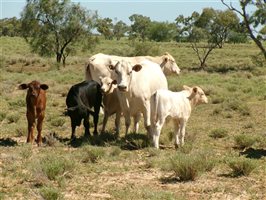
[
  {"x": 92, "y": 154},
  {"x": 54, "y": 166},
  {"x": 218, "y": 133},
  {"x": 57, "y": 122},
  {"x": 244, "y": 141},
  {"x": 2, "y": 116},
  {"x": 50, "y": 193},
  {"x": 13, "y": 118},
  {"x": 241, "y": 166}
]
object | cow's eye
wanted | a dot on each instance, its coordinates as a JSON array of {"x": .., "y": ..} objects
[
  {"x": 129, "y": 73},
  {"x": 109, "y": 83}
]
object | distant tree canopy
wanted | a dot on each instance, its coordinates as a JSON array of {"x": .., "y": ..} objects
[
  {"x": 255, "y": 23},
  {"x": 120, "y": 28},
  {"x": 140, "y": 26},
  {"x": 10, "y": 27},
  {"x": 211, "y": 26},
  {"x": 105, "y": 27},
  {"x": 55, "y": 26}
]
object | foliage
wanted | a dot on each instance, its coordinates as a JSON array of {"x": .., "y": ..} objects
[
  {"x": 211, "y": 25},
  {"x": 10, "y": 27},
  {"x": 188, "y": 166},
  {"x": 50, "y": 193},
  {"x": 140, "y": 26},
  {"x": 244, "y": 141},
  {"x": 218, "y": 133},
  {"x": 144, "y": 48},
  {"x": 254, "y": 22},
  {"x": 54, "y": 166},
  {"x": 92, "y": 154},
  {"x": 53, "y": 27},
  {"x": 241, "y": 166},
  {"x": 105, "y": 27},
  {"x": 120, "y": 28},
  {"x": 161, "y": 31}
]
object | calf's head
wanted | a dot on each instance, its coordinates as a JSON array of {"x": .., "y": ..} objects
[
  {"x": 34, "y": 88},
  {"x": 107, "y": 84},
  {"x": 123, "y": 70},
  {"x": 197, "y": 95},
  {"x": 169, "y": 65}
]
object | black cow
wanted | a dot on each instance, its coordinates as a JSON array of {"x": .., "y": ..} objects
[{"x": 80, "y": 100}]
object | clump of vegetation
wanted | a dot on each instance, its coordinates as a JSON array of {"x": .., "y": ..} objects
[
  {"x": 241, "y": 166},
  {"x": 218, "y": 133},
  {"x": 2, "y": 116},
  {"x": 145, "y": 48},
  {"x": 238, "y": 106},
  {"x": 135, "y": 141},
  {"x": 58, "y": 121},
  {"x": 50, "y": 193},
  {"x": 244, "y": 141},
  {"x": 115, "y": 151},
  {"x": 188, "y": 167},
  {"x": 92, "y": 154},
  {"x": 17, "y": 103},
  {"x": 13, "y": 118},
  {"x": 54, "y": 166}
]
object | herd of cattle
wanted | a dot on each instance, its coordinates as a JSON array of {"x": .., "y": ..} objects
[{"x": 125, "y": 86}]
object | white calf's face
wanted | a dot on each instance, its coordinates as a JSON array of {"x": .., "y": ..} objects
[
  {"x": 200, "y": 97},
  {"x": 107, "y": 84},
  {"x": 123, "y": 70}
]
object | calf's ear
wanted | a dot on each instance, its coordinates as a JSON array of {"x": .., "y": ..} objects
[
  {"x": 23, "y": 86},
  {"x": 44, "y": 86},
  {"x": 186, "y": 87},
  {"x": 137, "y": 67},
  {"x": 195, "y": 89}
]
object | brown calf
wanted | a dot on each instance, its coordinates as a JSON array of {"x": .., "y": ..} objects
[{"x": 36, "y": 103}]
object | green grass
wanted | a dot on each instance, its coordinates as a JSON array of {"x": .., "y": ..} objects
[{"x": 106, "y": 166}]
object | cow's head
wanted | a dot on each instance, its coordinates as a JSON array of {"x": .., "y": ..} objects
[
  {"x": 107, "y": 84},
  {"x": 124, "y": 70},
  {"x": 33, "y": 87},
  {"x": 197, "y": 95},
  {"x": 169, "y": 65}
]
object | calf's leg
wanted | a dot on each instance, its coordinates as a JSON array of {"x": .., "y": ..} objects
[
  {"x": 39, "y": 129},
  {"x": 117, "y": 122},
  {"x": 86, "y": 125},
  {"x": 105, "y": 119},
  {"x": 157, "y": 131}
]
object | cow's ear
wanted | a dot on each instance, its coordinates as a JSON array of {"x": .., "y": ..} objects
[
  {"x": 114, "y": 82},
  {"x": 23, "y": 86},
  {"x": 195, "y": 90},
  {"x": 137, "y": 67},
  {"x": 44, "y": 86},
  {"x": 112, "y": 67},
  {"x": 165, "y": 59},
  {"x": 186, "y": 87}
]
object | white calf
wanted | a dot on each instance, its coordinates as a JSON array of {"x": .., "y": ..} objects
[{"x": 178, "y": 106}]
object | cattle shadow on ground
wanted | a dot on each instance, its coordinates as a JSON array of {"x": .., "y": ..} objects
[
  {"x": 134, "y": 141},
  {"x": 8, "y": 142},
  {"x": 254, "y": 153}
]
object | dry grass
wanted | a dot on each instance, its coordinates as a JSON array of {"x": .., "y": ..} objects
[{"x": 104, "y": 167}]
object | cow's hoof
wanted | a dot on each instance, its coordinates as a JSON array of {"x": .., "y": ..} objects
[{"x": 177, "y": 146}]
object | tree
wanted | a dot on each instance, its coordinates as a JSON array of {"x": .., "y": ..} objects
[
  {"x": 10, "y": 27},
  {"x": 162, "y": 31},
  {"x": 256, "y": 20},
  {"x": 105, "y": 27},
  {"x": 140, "y": 26},
  {"x": 120, "y": 28},
  {"x": 54, "y": 26},
  {"x": 211, "y": 26}
]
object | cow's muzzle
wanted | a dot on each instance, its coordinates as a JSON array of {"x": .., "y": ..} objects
[{"x": 122, "y": 88}]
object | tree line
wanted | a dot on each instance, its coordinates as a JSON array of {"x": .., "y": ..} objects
[{"x": 54, "y": 27}]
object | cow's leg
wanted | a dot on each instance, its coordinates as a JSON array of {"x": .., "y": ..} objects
[
  {"x": 147, "y": 117},
  {"x": 31, "y": 125},
  {"x": 136, "y": 122},
  {"x": 86, "y": 124},
  {"x": 73, "y": 128},
  {"x": 177, "y": 133},
  {"x": 182, "y": 131},
  {"x": 96, "y": 119},
  {"x": 39, "y": 129},
  {"x": 127, "y": 121},
  {"x": 105, "y": 118},
  {"x": 117, "y": 122},
  {"x": 157, "y": 131}
]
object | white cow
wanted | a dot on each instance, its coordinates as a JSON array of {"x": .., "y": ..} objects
[
  {"x": 98, "y": 64},
  {"x": 178, "y": 106},
  {"x": 136, "y": 85},
  {"x": 110, "y": 102}
]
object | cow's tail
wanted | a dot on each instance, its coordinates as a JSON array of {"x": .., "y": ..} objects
[
  {"x": 88, "y": 66},
  {"x": 154, "y": 107}
]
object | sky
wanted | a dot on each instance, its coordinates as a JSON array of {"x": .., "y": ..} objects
[{"x": 158, "y": 10}]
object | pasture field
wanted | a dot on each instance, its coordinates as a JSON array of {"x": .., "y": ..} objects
[{"x": 224, "y": 156}]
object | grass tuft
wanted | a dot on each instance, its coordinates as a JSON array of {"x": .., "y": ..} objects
[
  {"x": 241, "y": 166},
  {"x": 218, "y": 133},
  {"x": 244, "y": 141},
  {"x": 50, "y": 193}
]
